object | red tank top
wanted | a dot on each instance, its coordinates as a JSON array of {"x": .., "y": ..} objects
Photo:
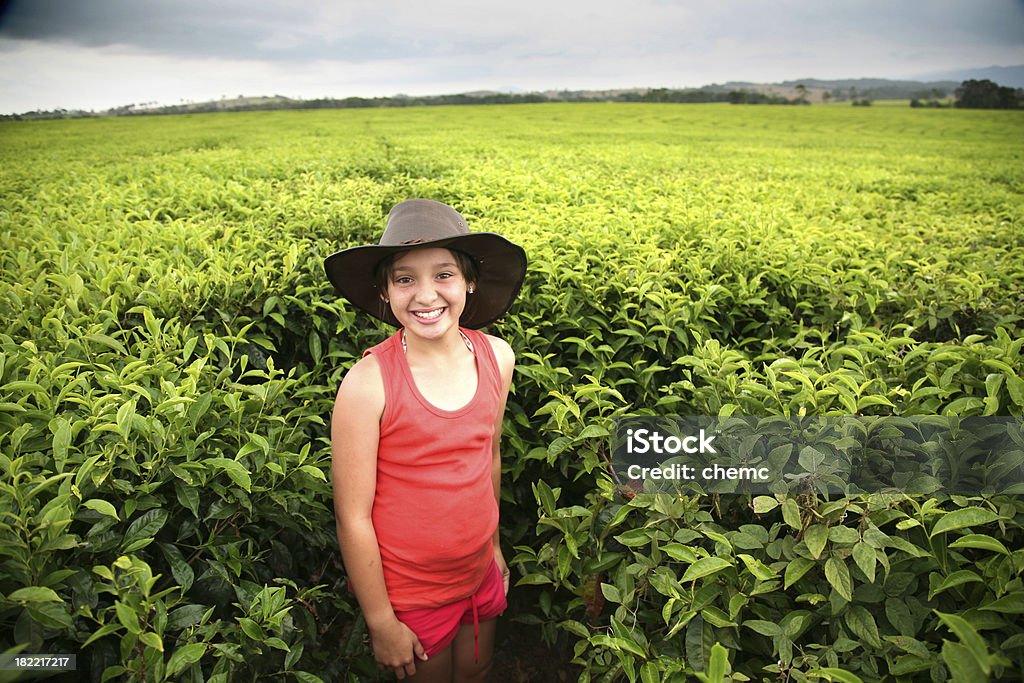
[{"x": 434, "y": 511}]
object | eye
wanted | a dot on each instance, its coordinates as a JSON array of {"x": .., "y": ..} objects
[
  {"x": 403, "y": 280},
  {"x": 445, "y": 275}
]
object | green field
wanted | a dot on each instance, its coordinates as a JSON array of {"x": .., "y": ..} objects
[{"x": 171, "y": 350}]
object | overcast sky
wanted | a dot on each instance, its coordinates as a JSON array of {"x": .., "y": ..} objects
[{"x": 96, "y": 54}]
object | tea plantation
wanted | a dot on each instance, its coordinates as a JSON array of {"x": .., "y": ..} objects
[{"x": 171, "y": 351}]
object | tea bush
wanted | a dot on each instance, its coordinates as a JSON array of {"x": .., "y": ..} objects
[{"x": 171, "y": 353}]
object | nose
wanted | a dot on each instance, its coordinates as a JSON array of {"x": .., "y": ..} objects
[{"x": 425, "y": 293}]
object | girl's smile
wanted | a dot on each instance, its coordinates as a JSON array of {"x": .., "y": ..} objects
[{"x": 431, "y": 315}]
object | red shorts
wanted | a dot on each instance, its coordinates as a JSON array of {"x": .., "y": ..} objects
[{"x": 436, "y": 626}]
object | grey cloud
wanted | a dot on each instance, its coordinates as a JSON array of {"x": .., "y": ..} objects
[{"x": 493, "y": 33}]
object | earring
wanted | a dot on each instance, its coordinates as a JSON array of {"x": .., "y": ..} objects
[
  {"x": 387, "y": 300},
  {"x": 470, "y": 290}
]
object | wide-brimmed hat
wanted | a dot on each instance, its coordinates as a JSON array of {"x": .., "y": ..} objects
[{"x": 417, "y": 223}]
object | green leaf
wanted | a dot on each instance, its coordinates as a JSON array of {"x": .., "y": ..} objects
[
  {"x": 1008, "y": 604},
  {"x": 815, "y": 537},
  {"x": 102, "y": 631},
  {"x": 964, "y": 517},
  {"x": 534, "y": 579},
  {"x": 126, "y": 615},
  {"x": 678, "y": 551},
  {"x": 146, "y": 526},
  {"x": 791, "y": 513},
  {"x": 101, "y": 506},
  {"x": 49, "y": 615},
  {"x": 34, "y": 594},
  {"x": 611, "y": 593},
  {"x": 61, "y": 440},
  {"x": 862, "y": 625},
  {"x": 184, "y": 657},
  {"x": 864, "y": 556},
  {"x": 704, "y": 567},
  {"x": 834, "y": 674},
  {"x": 251, "y": 628},
  {"x": 104, "y": 340},
  {"x": 899, "y": 615},
  {"x": 277, "y": 643},
  {"x": 313, "y": 471},
  {"x": 545, "y": 496},
  {"x": 180, "y": 568},
  {"x": 969, "y": 638},
  {"x": 957, "y": 578},
  {"x": 1015, "y": 385},
  {"x": 124, "y": 418},
  {"x": 962, "y": 665},
  {"x": 235, "y": 470},
  {"x": 765, "y": 628},
  {"x": 592, "y": 431},
  {"x": 634, "y": 537},
  {"x": 760, "y": 571},
  {"x": 910, "y": 645},
  {"x": 838, "y": 576},
  {"x": 185, "y": 616},
  {"x": 763, "y": 504},
  {"x": 796, "y": 568},
  {"x": 719, "y": 660},
  {"x": 152, "y": 640},
  {"x": 188, "y": 496},
  {"x": 865, "y": 401},
  {"x": 698, "y": 642},
  {"x": 981, "y": 542}
]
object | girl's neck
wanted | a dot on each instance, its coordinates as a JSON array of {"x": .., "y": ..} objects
[{"x": 451, "y": 345}]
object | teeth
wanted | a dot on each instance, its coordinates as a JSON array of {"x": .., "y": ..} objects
[{"x": 429, "y": 316}]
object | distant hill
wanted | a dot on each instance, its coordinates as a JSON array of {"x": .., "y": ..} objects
[
  {"x": 1010, "y": 76},
  {"x": 801, "y": 91},
  {"x": 880, "y": 88}
]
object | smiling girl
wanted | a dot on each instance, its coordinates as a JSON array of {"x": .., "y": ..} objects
[{"x": 415, "y": 435}]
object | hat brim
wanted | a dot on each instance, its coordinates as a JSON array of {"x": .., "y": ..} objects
[{"x": 501, "y": 266}]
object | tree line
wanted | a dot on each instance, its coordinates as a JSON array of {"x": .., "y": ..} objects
[{"x": 972, "y": 94}]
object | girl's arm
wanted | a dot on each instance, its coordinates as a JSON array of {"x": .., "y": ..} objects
[
  {"x": 355, "y": 431},
  {"x": 506, "y": 362}
]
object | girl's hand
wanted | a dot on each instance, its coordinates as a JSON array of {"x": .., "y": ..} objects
[
  {"x": 503, "y": 566},
  {"x": 396, "y": 647}
]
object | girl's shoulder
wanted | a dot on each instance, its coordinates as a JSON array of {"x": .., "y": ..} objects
[
  {"x": 503, "y": 354},
  {"x": 363, "y": 384},
  {"x": 500, "y": 346}
]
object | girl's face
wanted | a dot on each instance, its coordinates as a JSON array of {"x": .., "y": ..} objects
[{"x": 427, "y": 291}]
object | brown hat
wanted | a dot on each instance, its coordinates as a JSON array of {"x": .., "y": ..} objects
[{"x": 417, "y": 223}]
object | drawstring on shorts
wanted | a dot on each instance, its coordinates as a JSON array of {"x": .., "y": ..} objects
[{"x": 476, "y": 630}]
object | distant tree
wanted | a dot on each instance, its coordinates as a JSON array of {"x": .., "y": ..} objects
[
  {"x": 802, "y": 90},
  {"x": 985, "y": 94}
]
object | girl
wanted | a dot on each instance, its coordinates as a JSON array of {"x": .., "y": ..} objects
[{"x": 414, "y": 434}]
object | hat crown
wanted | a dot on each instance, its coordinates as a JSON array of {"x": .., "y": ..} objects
[{"x": 416, "y": 221}]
